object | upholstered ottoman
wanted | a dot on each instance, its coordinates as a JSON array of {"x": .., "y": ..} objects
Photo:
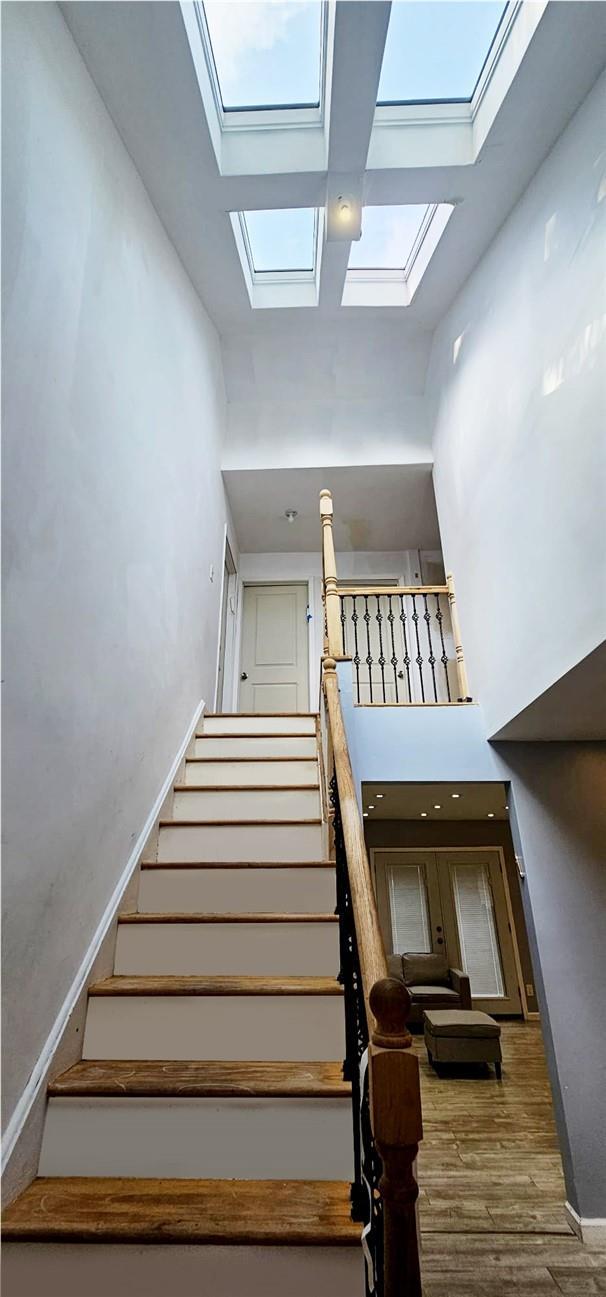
[{"x": 462, "y": 1036}]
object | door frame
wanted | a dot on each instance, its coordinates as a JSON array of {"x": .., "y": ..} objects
[
  {"x": 306, "y": 582},
  {"x": 510, "y": 916},
  {"x": 226, "y": 650}
]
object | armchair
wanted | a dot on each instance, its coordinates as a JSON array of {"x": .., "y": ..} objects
[{"x": 431, "y": 983}]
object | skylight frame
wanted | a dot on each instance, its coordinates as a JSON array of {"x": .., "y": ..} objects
[
  {"x": 397, "y": 286},
  {"x": 291, "y": 275},
  {"x": 267, "y": 117},
  {"x": 511, "y": 7}
]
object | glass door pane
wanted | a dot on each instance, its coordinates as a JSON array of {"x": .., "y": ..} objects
[
  {"x": 409, "y": 910},
  {"x": 477, "y": 931}
]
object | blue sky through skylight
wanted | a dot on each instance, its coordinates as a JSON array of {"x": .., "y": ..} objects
[
  {"x": 436, "y": 49},
  {"x": 266, "y": 54},
  {"x": 282, "y": 239},
  {"x": 388, "y": 236}
]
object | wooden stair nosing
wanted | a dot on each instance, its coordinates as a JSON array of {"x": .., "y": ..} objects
[
  {"x": 155, "y": 916},
  {"x": 107, "y": 1209},
  {"x": 237, "y": 864},
  {"x": 260, "y": 734},
  {"x": 266, "y": 716},
  {"x": 196, "y": 985},
  {"x": 246, "y": 788},
  {"x": 214, "y": 1079},
  {"x": 193, "y": 824},
  {"x": 247, "y": 760}
]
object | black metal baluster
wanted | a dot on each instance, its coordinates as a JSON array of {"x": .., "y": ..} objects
[
  {"x": 368, "y": 653},
  {"x": 419, "y": 657},
  {"x": 394, "y": 657},
  {"x": 343, "y": 634},
  {"x": 431, "y": 659},
  {"x": 357, "y": 659},
  {"x": 356, "y": 1030},
  {"x": 406, "y": 653},
  {"x": 382, "y": 659},
  {"x": 444, "y": 655}
]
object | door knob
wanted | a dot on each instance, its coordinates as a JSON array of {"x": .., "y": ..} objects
[{"x": 244, "y": 676}]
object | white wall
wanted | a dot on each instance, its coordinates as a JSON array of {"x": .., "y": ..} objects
[
  {"x": 517, "y": 377},
  {"x": 114, "y": 510},
  {"x": 351, "y": 393}
]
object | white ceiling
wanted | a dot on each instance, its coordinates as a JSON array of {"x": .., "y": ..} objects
[
  {"x": 140, "y": 59},
  {"x": 408, "y": 801},
  {"x": 379, "y": 508}
]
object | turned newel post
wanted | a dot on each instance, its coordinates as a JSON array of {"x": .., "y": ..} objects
[
  {"x": 464, "y": 696},
  {"x": 332, "y": 603},
  {"x": 395, "y": 1107}
]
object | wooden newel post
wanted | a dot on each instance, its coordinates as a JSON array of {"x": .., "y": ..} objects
[
  {"x": 395, "y": 1107},
  {"x": 331, "y": 594},
  {"x": 464, "y": 696}
]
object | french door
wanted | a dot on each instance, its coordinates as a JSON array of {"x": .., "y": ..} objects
[{"x": 452, "y": 902}]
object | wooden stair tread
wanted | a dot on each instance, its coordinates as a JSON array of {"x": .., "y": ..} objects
[
  {"x": 245, "y": 760},
  {"x": 118, "y": 1210},
  {"x": 230, "y": 985},
  {"x": 191, "y": 1079},
  {"x": 249, "y": 824},
  {"x": 181, "y": 917},
  {"x": 237, "y": 864},
  {"x": 260, "y": 734},
  {"x": 261, "y": 716}
]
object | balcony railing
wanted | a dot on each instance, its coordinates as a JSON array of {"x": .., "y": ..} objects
[{"x": 404, "y": 642}]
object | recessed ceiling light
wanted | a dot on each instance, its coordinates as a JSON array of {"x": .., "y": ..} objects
[
  {"x": 491, "y": 815},
  {"x": 291, "y": 514},
  {"x": 423, "y": 815},
  {"x": 437, "y": 807},
  {"x": 506, "y": 808},
  {"x": 365, "y": 814},
  {"x": 455, "y": 794},
  {"x": 371, "y": 808},
  {"x": 379, "y": 796}
]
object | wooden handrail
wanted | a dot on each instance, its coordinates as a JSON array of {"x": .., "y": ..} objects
[{"x": 392, "y": 589}]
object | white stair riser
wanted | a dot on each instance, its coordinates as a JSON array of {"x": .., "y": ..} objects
[
  {"x": 243, "y": 1139},
  {"x": 264, "y": 949},
  {"x": 238, "y": 804},
  {"x": 238, "y": 842},
  {"x": 237, "y": 891},
  {"x": 246, "y": 748},
  {"x": 134, "y": 1270},
  {"x": 235, "y": 774},
  {"x": 263, "y": 1027},
  {"x": 238, "y": 724}
]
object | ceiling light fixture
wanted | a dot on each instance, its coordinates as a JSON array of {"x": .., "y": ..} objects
[
  {"x": 365, "y": 814},
  {"x": 371, "y": 808},
  {"x": 379, "y": 796},
  {"x": 455, "y": 795},
  {"x": 291, "y": 514},
  {"x": 437, "y": 807},
  {"x": 423, "y": 815},
  {"x": 491, "y": 815}
]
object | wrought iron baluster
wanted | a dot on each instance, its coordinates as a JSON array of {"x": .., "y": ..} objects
[
  {"x": 431, "y": 659},
  {"x": 369, "y": 658},
  {"x": 419, "y": 657},
  {"x": 382, "y": 659},
  {"x": 357, "y": 659},
  {"x": 394, "y": 656},
  {"x": 406, "y": 653},
  {"x": 444, "y": 655},
  {"x": 356, "y": 1031},
  {"x": 343, "y": 632}
]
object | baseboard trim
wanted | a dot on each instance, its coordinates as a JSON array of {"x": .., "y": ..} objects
[
  {"x": 590, "y": 1229},
  {"x": 23, "y": 1108}
]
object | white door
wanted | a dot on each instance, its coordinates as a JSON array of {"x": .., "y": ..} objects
[
  {"x": 452, "y": 902},
  {"x": 274, "y": 673}
]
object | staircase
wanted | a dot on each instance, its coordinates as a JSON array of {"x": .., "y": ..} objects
[{"x": 208, "y": 1116}]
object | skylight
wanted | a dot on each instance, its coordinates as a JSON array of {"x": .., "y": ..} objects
[
  {"x": 266, "y": 55},
  {"x": 436, "y": 51},
  {"x": 389, "y": 236},
  {"x": 281, "y": 240}
]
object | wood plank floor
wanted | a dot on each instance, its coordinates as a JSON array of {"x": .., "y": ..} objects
[{"x": 491, "y": 1184}]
